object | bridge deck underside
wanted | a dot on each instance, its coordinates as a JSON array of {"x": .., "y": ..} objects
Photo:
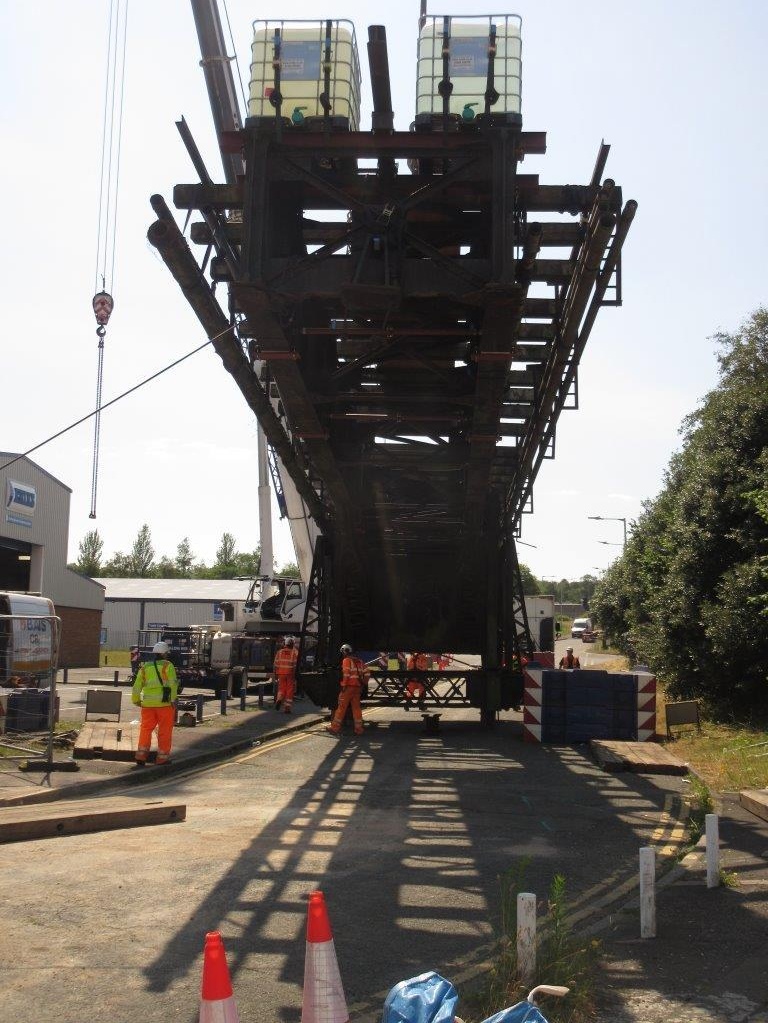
[{"x": 418, "y": 335}]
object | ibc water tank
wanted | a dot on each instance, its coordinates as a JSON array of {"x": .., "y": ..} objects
[
  {"x": 301, "y": 50},
  {"x": 470, "y": 42}
]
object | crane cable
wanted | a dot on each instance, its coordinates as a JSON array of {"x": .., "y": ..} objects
[{"x": 109, "y": 183}]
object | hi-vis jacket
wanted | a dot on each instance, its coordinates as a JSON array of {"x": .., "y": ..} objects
[
  {"x": 285, "y": 661},
  {"x": 148, "y": 687},
  {"x": 353, "y": 672}
]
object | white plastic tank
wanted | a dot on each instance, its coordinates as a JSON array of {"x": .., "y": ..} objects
[
  {"x": 469, "y": 42},
  {"x": 302, "y": 47}
]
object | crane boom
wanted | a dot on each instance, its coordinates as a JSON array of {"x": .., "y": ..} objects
[{"x": 220, "y": 81}]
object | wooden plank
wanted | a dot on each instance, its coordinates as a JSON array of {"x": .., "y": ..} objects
[
  {"x": 640, "y": 757},
  {"x": 756, "y": 801},
  {"x": 108, "y": 740},
  {"x": 28, "y": 823}
]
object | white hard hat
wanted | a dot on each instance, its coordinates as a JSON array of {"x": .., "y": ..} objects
[
  {"x": 289, "y": 640},
  {"x": 161, "y": 648},
  {"x": 346, "y": 648},
  {"x": 569, "y": 649}
]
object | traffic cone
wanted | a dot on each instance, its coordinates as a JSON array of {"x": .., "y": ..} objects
[
  {"x": 217, "y": 1005},
  {"x": 323, "y": 1000}
]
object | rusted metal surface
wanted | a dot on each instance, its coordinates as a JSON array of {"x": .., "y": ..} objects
[{"x": 414, "y": 371}]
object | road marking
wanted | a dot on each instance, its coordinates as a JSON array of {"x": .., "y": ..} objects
[{"x": 277, "y": 744}]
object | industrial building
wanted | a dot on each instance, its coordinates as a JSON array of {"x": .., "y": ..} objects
[
  {"x": 34, "y": 534},
  {"x": 134, "y": 604}
]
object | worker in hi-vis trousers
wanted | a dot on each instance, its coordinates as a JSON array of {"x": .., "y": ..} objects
[
  {"x": 285, "y": 670},
  {"x": 155, "y": 691},
  {"x": 354, "y": 674},
  {"x": 415, "y": 688}
]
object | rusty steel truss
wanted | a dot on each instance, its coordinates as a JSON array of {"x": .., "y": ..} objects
[{"x": 406, "y": 315}]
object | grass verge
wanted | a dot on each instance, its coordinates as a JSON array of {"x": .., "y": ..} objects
[{"x": 561, "y": 958}]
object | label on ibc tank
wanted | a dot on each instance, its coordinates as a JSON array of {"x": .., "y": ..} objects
[
  {"x": 469, "y": 57},
  {"x": 300, "y": 61}
]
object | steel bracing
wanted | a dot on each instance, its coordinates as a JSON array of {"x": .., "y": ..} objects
[{"x": 417, "y": 307}]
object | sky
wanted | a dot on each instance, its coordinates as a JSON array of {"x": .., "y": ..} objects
[{"x": 677, "y": 88}]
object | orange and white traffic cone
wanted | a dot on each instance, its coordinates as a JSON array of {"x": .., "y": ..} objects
[
  {"x": 323, "y": 1000},
  {"x": 217, "y": 1004}
]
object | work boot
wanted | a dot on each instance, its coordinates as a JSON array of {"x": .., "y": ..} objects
[
  {"x": 287, "y": 710},
  {"x": 330, "y": 729},
  {"x": 407, "y": 705},
  {"x": 277, "y": 704},
  {"x": 140, "y": 763}
]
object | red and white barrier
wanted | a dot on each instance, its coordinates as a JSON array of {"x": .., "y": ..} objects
[
  {"x": 217, "y": 1003},
  {"x": 646, "y": 706},
  {"x": 323, "y": 1000},
  {"x": 532, "y": 673}
]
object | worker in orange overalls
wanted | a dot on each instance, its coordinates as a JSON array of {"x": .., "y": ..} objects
[
  {"x": 155, "y": 691},
  {"x": 570, "y": 661},
  {"x": 354, "y": 675},
  {"x": 415, "y": 689},
  {"x": 285, "y": 669}
]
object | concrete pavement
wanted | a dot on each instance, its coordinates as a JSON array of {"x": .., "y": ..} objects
[{"x": 706, "y": 965}]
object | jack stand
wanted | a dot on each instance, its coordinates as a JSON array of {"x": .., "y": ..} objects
[{"x": 431, "y": 724}]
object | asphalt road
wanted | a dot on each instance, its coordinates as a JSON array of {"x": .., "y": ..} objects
[{"x": 407, "y": 835}]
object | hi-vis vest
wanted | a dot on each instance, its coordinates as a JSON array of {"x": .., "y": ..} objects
[
  {"x": 353, "y": 672},
  {"x": 285, "y": 660},
  {"x": 148, "y": 687}
]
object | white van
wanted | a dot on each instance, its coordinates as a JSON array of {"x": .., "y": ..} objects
[
  {"x": 580, "y": 626},
  {"x": 27, "y": 644}
]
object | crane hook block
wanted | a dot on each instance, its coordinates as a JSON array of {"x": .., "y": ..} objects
[{"x": 103, "y": 304}]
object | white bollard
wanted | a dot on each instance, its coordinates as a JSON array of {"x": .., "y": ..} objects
[
  {"x": 526, "y": 936},
  {"x": 712, "y": 832},
  {"x": 647, "y": 892}
]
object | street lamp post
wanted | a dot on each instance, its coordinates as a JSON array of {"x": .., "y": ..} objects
[{"x": 610, "y": 518}]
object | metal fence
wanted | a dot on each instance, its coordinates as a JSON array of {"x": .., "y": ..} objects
[{"x": 29, "y": 658}]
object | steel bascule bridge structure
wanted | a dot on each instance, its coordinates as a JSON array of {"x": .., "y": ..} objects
[{"x": 405, "y": 314}]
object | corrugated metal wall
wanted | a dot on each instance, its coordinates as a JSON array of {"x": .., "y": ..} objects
[
  {"x": 123, "y": 618},
  {"x": 48, "y": 530}
]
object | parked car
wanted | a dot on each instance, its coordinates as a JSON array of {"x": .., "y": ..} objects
[
  {"x": 580, "y": 626},
  {"x": 588, "y": 636}
]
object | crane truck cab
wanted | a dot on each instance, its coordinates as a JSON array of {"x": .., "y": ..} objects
[
  {"x": 242, "y": 643},
  {"x": 272, "y": 603}
]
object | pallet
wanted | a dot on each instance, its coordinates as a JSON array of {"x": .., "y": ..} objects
[
  {"x": 108, "y": 740},
  {"x": 639, "y": 757},
  {"x": 756, "y": 801},
  {"x": 28, "y": 823}
]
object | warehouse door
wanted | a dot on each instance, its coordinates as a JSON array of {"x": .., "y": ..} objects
[{"x": 15, "y": 562}]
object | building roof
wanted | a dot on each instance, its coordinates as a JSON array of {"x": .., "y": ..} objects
[
  {"x": 175, "y": 589},
  {"x": 16, "y": 458}
]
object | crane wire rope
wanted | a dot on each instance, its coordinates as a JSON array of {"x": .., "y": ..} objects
[
  {"x": 119, "y": 397},
  {"x": 237, "y": 62},
  {"x": 109, "y": 184}
]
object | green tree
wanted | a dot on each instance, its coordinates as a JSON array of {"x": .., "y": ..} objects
[
  {"x": 90, "y": 554},
  {"x": 291, "y": 570},
  {"x": 142, "y": 554},
  {"x": 225, "y": 566},
  {"x": 682, "y": 597},
  {"x": 530, "y": 585},
  {"x": 118, "y": 567},
  {"x": 184, "y": 560},
  {"x": 165, "y": 568},
  {"x": 248, "y": 564}
]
